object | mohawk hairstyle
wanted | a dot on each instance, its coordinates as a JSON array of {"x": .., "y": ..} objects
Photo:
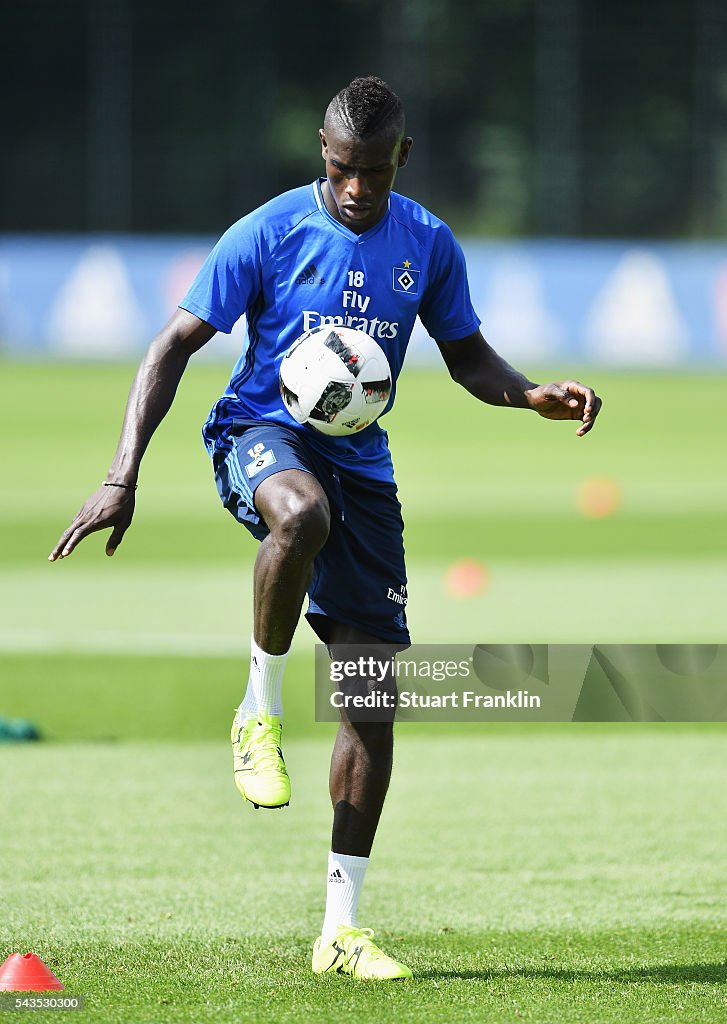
[{"x": 367, "y": 106}]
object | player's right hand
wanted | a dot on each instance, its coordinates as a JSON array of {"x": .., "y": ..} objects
[{"x": 108, "y": 506}]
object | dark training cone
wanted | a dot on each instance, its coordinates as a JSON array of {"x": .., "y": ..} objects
[{"x": 27, "y": 973}]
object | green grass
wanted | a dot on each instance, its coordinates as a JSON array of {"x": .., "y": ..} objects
[
  {"x": 496, "y": 485},
  {"x": 108, "y": 696},
  {"x": 571, "y": 874},
  {"x": 581, "y": 880}
]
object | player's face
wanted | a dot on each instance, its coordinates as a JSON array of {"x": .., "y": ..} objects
[{"x": 360, "y": 174}]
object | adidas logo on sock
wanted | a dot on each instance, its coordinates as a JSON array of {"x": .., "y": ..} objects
[{"x": 336, "y": 876}]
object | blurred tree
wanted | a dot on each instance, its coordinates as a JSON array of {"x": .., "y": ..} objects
[{"x": 592, "y": 117}]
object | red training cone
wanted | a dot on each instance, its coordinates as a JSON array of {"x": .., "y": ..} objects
[{"x": 27, "y": 973}]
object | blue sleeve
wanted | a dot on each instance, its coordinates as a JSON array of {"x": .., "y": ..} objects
[
  {"x": 230, "y": 279},
  {"x": 446, "y": 310}
]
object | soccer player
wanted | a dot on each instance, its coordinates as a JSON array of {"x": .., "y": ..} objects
[{"x": 342, "y": 250}]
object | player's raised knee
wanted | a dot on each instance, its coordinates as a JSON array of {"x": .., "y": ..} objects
[{"x": 302, "y": 520}]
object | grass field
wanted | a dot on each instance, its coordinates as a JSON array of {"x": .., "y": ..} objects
[
  {"x": 569, "y": 874},
  {"x": 581, "y": 881}
]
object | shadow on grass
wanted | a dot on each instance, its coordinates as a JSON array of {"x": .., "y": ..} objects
[{"x": 662, "y": 974}]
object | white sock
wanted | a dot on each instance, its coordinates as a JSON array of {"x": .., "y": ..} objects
[
  {"x": 345, "y": 881},
  {"x": 264, "y": 684}
]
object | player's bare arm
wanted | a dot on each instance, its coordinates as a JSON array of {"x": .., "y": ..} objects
[
  {"x": 480, "y": 370},
  {"x": 150, "y": 398}
]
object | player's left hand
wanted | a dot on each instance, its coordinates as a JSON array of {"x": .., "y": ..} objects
[{"x": 566, "y": 400}]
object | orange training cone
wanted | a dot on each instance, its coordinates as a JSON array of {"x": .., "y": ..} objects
[
  {"x": 27, "y": 973},
  {"x": 466, "y": 578}
]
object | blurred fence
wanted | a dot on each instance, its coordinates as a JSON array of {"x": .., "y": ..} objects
[{"x": 620, "y": 304}]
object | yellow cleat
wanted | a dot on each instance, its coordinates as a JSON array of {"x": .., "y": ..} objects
[
  {"x": 259, "y": 767},
  {"x": 353, "y": 951}
]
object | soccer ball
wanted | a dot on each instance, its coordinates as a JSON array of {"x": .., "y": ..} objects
[{"x": 335, "y": 379}]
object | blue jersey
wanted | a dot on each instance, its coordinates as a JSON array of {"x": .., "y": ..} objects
[{"x": 290, "y": 266}]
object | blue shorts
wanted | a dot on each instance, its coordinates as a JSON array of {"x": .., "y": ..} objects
[{"x": 359, "y": 576}]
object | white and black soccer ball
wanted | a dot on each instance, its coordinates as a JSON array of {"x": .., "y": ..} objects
[{"x": 335, "y": 379}]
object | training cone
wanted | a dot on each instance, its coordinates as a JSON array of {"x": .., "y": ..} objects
[
  {"x": 599, "y": 497},
  {"x": 26, "y": 972},
  {"x": 466, "y": 578}
]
